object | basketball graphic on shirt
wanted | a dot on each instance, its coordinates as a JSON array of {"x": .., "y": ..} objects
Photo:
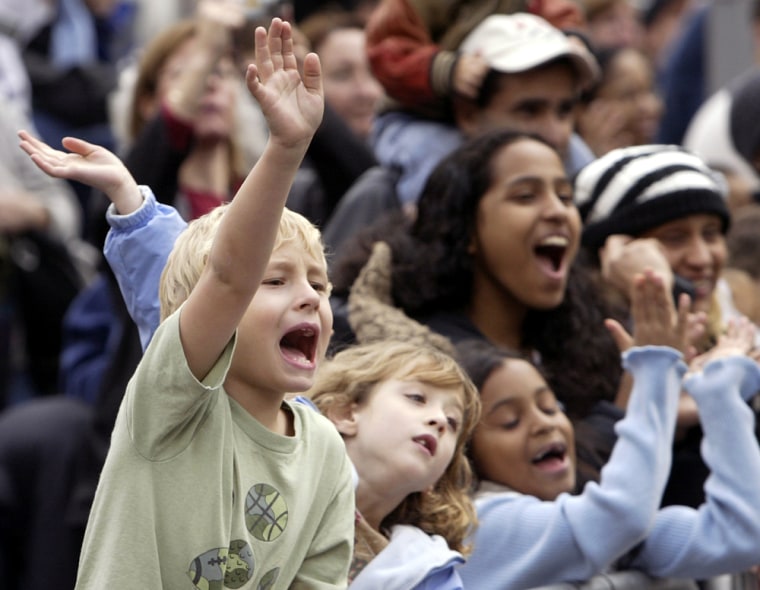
[
  {"x": 269, "y": 579},
  {"x": 222, "y": 568},
  {"x": 266, "y": 512}
]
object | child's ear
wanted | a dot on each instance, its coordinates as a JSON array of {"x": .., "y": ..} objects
[
  {"x": 344, "y": 418},
  {"x": 466, "y": 115}
]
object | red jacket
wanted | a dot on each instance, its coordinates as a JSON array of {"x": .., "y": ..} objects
[{"x": 412, "y": 44}]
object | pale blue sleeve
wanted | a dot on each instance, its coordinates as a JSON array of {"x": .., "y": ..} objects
[
  {"x": 522, "y": 542},
  {"x": 722, "y": 535},
  {"x": 136, "y": 248},
  {"x": 446, "y": 578},
  {"x": 412, "y": 560}
]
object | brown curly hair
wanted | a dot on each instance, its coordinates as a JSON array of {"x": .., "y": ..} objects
[{"x": 353, "y": 373}]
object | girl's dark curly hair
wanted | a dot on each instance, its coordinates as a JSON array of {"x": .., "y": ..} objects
[{"x": 432, "y": 269}]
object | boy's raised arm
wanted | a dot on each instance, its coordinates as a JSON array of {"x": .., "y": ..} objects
[{"x": 293, "y": 106}]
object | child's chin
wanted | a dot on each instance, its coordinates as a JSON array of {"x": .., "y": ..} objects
[{"x": 301, "y": 384}]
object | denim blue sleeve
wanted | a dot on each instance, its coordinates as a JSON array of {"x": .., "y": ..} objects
[
  {"x": 136, "y": 247},
  {"x": 91, "y": 331}
]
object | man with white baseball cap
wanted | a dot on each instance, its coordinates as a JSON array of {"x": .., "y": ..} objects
[
  {"x": 522, "y": 41},
  {"x": 533, "y": 77},
  {"x": 535, "y": 74}
]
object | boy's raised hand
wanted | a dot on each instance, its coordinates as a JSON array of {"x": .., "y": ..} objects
[
  {"x": 86, "y": 163},
  {"x": 292, "y": 103}
]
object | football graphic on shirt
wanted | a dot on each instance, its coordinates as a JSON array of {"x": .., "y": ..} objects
[{"x": 222, "y": 568}]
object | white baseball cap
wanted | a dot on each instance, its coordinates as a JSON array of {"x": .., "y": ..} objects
[{"x": 513, "y": 43}]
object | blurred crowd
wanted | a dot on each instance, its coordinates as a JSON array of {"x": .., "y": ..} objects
[{"x": 444, "y": 124}]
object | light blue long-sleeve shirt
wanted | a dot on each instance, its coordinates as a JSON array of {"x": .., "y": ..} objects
[
  {"x": 722, "y": 535},
  {"x": 523, "y": 542},
  {"x": 136, "y": 248}
]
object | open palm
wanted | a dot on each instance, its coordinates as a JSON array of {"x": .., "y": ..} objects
[
  {"x": 292, "y": 103},
  {"x": 84, "y": 162}
]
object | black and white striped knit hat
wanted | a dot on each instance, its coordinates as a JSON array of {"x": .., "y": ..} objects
[{"x": 634, "y": 189}]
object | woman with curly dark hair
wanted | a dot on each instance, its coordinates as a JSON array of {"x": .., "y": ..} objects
[{"x": 491, "y": 254}]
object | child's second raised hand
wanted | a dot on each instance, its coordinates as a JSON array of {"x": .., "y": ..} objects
[
  {"x": 292, "y": 104},
  {"x": 655, "y": 321},
  {"x": 87, "y": 163}
]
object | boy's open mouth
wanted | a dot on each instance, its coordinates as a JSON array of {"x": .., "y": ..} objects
[{"x": 300, "y": 343}]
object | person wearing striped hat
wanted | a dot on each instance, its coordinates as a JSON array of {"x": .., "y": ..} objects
[
  {"x": 661, "y": 207},
  {"x": 663, "y": 192}
]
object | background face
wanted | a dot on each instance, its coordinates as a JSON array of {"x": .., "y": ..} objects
[
  {"x": 695, "y": 248},
  {"x": 350, "y": 88},
  {"x": 629, "y": 87},
  {"x": 540, "y": 101}
]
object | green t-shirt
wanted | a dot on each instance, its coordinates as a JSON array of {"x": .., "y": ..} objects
[{"x": 195, "y": 493}]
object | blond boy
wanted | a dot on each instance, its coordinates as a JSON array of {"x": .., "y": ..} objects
[{"x": 213, "y": 479}]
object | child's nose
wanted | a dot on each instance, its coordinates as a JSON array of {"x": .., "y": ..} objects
[
  {"x": 309, "y": 297},
  {"x": 542, "y": 423},
  {"x": 439, "y": 422}
]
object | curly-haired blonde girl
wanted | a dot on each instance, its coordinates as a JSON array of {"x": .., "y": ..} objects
[{"x": 415, "y": 394}]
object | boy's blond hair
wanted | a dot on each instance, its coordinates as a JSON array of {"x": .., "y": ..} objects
[
  {"x": 351, "y": 376},
  {"x": 190, "y": 253}
]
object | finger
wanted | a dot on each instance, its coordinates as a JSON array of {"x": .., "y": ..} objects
[
  {"x": 614, "y": 245},
  {"x": 660, "y": 306},
  {"x": 41, "y": 153},
  {"x": 276, "y": 31},
  {"x": 619, "y": 334},
  {"x": 263, "y": 59},
  {"x": 745, "y": 334},
  {"x": 636, "y": 300},
  {"x": 78, "y": 146},
  {"x": 658, "y": 299},
  {"x": 289, "y": 60},
  {"x": 252, "y": 78},
  {"x": 683, "y": 321},
  {"x": 312, "y": 74},
  {"x": 24, "y": 135},
  {"x": 642, "y": 299},
  {"x": 51, "y": 165},
  {"x": 29, "y": 143},
  {"x": 690, "y": 354}
]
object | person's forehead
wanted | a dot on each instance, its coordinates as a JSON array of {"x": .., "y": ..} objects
[
  {"x": 515, "y": 94},
  {"x": 292, "y": 252},
  {"x": 558, "y": 74}
]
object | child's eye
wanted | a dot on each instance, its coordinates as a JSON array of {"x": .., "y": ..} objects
[
  {"x": 453, "y": 424},
  {"x": 416, "y": 397},
  {"x": 525, "y": 197},
  {"x": 319, "y": 287},
  {"x": 510, "y": 425},
  {"x": 273, "y": 282}
]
